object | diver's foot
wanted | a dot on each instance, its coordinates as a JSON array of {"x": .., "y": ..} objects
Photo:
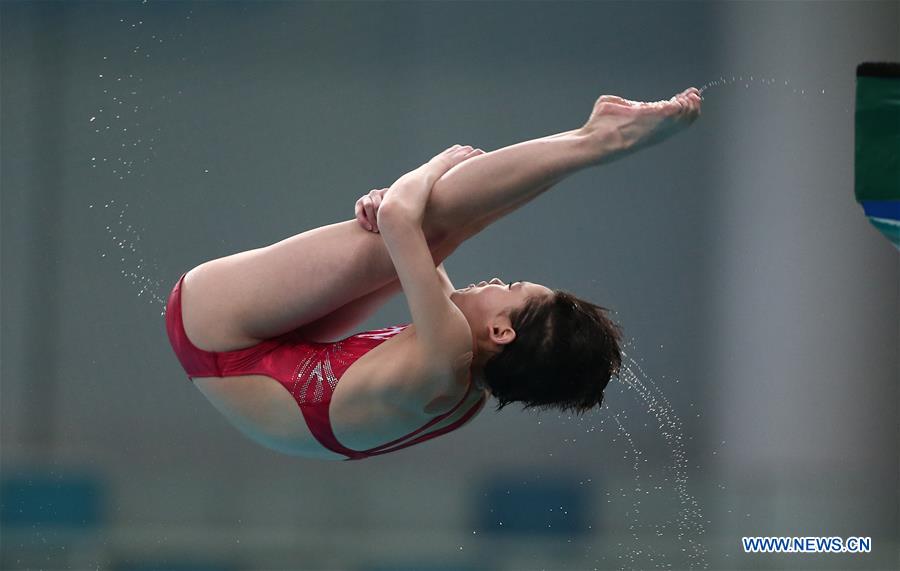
[{"x": 625, "y": 125}]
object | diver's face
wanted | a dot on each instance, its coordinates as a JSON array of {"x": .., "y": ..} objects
[{"x": 485, "y": 300}]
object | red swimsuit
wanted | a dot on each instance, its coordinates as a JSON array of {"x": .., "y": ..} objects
[{"x": 309, "y": 371}]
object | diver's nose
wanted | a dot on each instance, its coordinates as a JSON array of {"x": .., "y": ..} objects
[{"x": 497, "y": 281}]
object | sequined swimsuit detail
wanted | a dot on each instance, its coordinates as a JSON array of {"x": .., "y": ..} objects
[{"x": 309, "y": 371}]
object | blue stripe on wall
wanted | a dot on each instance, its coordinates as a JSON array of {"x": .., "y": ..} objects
[
  {"x": 882, "y": 208},
  {"x": 51, "y": 498}
]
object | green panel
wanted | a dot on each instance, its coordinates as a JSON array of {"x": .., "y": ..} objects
[{"x": 877, "y": 138}]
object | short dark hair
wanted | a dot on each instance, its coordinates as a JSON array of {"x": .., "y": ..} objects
[{"x": 565, "y": 351}]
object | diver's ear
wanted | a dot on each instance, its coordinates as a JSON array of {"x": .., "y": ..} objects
[{"x": 500, "y": 330}]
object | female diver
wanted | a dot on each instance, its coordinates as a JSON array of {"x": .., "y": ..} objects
[{"x": 261, "y": 332}]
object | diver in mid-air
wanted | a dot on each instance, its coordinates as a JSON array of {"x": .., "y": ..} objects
[{"x": 262, "y": 333}]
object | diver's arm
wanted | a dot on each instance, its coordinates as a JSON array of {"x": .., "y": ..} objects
[
  {"x": 367, "y": 214},
  {"x": 440, "y": 325},
  {"x": 441, "y": 328},
  {"x": 446, "y": 284}
]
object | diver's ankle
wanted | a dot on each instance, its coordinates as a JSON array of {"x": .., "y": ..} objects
[{"x": 603, "y": 144}]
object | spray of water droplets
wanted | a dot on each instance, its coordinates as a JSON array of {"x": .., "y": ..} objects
[
  {"x": 689, "y": 524},
  {"x": 684, "y": 524},
  {"x": 125, "y": 138},
  {"x": 748, "y": 80},
  {"x": 126, "y": 237}
]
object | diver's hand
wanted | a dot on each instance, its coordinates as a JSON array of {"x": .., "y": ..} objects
[
  {"x": 367, "y": 209},
  {"x": 428, "y": 173},
  {"x": 632, "y": 125},
  {"x": 446, "y": 160},
  {"x": 409, "y": 193}
]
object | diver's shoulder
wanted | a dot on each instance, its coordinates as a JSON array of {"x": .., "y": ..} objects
[
  {"x": 418, "y": 377},
  {"x": 451, "y": 358}
]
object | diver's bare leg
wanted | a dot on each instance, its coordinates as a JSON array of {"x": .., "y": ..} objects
[
  {"x": 235, "y": 301},
  {"x": 346, "y": 319}
]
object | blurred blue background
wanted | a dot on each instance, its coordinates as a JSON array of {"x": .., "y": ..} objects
[{"x": 761, "y": 309}]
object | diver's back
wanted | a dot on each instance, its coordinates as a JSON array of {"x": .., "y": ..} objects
[{"x": 348, "y": 407}]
